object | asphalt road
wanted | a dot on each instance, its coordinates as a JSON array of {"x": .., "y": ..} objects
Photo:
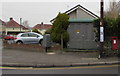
[{"x": 103, "y": 69}]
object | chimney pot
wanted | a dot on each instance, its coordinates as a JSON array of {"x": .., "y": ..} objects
[
  {"x": 11, "y": 18},
  {"x": 42, "y": 23}
]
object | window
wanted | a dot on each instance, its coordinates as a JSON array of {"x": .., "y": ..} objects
[
  {"x": 38, "y": 36},
  {"x": 24, "y": 35},
  {"x": 32, "y": 35}
]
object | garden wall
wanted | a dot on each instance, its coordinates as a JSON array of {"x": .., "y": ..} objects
[{"x": 35, "y": 47}]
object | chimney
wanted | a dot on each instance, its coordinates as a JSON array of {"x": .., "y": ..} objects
[
  {"x": 41, "y": 23},
  {"x": 11, "y": 18},
  {"x": 20, "y": 21}
]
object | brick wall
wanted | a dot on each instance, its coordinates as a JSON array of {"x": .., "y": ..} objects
[{"x": 35, "y": 47}]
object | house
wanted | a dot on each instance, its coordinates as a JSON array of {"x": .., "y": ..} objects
[
  {"x": 42, "y": 27},
  {"x": 12, "y": 27},
  {"x": 2, "y": 28},
  {"x": 81, "y": 30}
]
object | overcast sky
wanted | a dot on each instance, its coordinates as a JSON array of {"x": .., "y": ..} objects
[{"x": 37, "y": 11}]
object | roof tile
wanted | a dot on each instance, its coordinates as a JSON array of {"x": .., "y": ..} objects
[
  {"x": 42, "y": 26},
  {"x": 14, "y": 24}
]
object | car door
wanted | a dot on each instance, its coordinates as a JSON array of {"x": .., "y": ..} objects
[
  {"x": 33, "y": 38},
  {"x": 24, "y": 37}
]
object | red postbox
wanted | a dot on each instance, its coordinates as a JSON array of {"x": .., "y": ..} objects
[{"x": 114, "y": 43}]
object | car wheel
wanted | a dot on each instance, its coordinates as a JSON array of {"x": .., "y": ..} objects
[
  {"x": 41, "y": 41},
  {"x": 19, "y": 42}
]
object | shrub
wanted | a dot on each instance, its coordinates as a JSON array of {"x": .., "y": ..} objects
[
  {"x": 59, "y": 29},
  {"x": 36, "y": 30}
]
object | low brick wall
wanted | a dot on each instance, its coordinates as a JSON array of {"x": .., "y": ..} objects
[{"x": 36, "y": 47}]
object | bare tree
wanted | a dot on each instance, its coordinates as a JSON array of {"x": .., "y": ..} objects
[
  {"x": 26, "y": 24},
  {"x": 113, "y": 10},
  {"x": 118, "y": 6}
]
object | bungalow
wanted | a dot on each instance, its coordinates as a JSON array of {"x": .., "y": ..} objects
[
  {"x": 81, "y": 30},
  {"x": 42, "y": 27},
  {"x": 12, "y": 27}
]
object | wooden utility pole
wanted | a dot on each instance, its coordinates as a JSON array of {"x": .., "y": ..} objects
[
  {"x": 61, "y": 41},
  {"x": 101, "y": 28},
  {"x": 20, "y": 24}
]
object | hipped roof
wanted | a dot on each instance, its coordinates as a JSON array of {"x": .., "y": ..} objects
[{"x": 42, "y": 26}]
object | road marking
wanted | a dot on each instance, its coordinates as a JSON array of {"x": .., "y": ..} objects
[{"x": 30, "y": 68}]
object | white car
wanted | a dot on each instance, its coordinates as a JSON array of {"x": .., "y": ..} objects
[{"x": 28, "y": 38}]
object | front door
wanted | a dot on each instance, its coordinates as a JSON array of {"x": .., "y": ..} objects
[{"x": 33, "y": 38}]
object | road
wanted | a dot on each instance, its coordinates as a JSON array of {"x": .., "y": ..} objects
[{"x": 103, "y": 69}]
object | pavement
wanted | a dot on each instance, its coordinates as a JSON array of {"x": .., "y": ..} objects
[{"x": 28, "y": 58}]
